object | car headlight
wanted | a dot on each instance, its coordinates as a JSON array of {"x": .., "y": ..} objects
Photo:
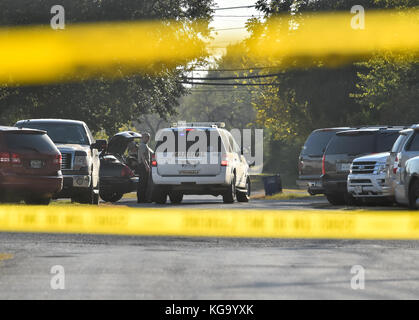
[
  {"x": 81, "y": 160},
  {"x": 381, "y": 168}
]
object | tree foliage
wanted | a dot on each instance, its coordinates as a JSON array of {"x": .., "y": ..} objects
[{"x": 102, "y": 103}]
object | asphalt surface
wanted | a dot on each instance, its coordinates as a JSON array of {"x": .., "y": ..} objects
[{"x": 118, "y": 267}]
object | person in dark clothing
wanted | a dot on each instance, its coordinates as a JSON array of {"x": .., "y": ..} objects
[{"x": 144, "y": 159}]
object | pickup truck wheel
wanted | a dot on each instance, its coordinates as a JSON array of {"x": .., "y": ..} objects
[
  {"x": 38, "y": 201},
  {"x": 336, "y": 199},
  {"x": 111, "y": 196},
  {"x": 229, "y": 196},
  {"x": 414, "y": 195},
  {"x": 90, "y": 196},
  {"x": 244, "y": 196},
  {"x": 175, "y": 197}
]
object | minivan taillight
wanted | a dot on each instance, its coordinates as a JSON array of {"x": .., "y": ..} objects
[
  {"x": 153, "y": 160},
  {"x": 324, "y": 165},
  {"x": 58, "y": 159}
]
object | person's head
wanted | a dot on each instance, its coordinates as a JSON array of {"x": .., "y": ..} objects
[{"x": 146, "y": 137}]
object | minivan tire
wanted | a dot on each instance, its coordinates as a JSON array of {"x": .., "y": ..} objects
[
  {"x": 230, "y": 194},
  {"x": 244, "y": 196},
  {"x": 336, "y": 199},
  {"x": 176, "y": 198}
]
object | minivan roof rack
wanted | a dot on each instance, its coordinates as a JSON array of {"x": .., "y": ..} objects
[{"x": 182, "y": 124}]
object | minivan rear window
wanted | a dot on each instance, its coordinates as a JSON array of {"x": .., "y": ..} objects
[
  {"x": 317, "y": 142},
  {"x": 20, "y": 142},
  {"x": 212, "y": 146}
]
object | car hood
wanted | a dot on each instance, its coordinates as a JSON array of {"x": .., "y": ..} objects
[
  {"x": 119, "y": 142},
  {"x": 72, "y": 147},
  {"x": 377, "y": 157}
]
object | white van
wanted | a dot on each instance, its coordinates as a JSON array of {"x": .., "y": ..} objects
[{"x": 199, "y": 158}]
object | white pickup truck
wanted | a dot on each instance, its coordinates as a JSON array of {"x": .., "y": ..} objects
[{"x": 367, "y": 178}]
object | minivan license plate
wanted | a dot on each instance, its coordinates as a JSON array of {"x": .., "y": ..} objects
[
  {"x": 36, "y": 164},
  {"x": 191, "y": 172}
]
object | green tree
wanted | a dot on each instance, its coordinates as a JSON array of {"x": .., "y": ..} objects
[{"x": 102, "y": 103}]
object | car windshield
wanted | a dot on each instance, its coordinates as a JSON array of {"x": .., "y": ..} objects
[
  {"x": 317, "y": 142},
  {"x": 66, "y": 133},
  {"x": 29, "y": 142}
]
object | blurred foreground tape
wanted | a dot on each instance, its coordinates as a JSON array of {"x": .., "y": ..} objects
[
  {"x": 42, "y": 55},
  {"x": 211, "y": 223},
  {"x": 330, "y": 39}
]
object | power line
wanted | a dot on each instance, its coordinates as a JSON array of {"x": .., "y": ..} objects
[
  {"x": 227, "y": 84},
  {"x": 235, "y": 78},
  {"x": 234, "y": 16},
  {"x": 236, "y": 69},
  {"x": 225, "y": 29},
  {"x": 232, "y": 8}
]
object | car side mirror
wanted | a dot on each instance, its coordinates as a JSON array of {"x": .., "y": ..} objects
[{"x": 100, "y": 145}]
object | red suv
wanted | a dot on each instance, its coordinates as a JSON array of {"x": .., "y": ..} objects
[{"x": 30, "y": 166}]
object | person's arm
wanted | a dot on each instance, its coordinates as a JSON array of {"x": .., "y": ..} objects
[{"x": 142, "y": 151}]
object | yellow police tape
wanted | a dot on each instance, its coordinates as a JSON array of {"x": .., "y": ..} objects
[
  {"x": 43, "y": 55},
  {"x": 211, "y": 223}
]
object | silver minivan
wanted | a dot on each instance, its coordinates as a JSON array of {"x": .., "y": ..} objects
[{"x": 198, "y": 159}]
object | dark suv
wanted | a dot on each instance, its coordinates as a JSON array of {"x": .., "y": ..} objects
[
  {"x": 310, "y": 160},
  {"x": 343, "y": 149},
  {"x": 30, "y": 166}
]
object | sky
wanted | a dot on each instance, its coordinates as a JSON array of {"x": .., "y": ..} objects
[{"x": 233, "y": 18}]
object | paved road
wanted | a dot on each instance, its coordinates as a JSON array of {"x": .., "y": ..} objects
[
  {"x": 115, "y": 267},
  {"x": 209, "y": 202}
]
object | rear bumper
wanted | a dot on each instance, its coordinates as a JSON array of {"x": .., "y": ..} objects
[
  {"x": 314, "y": 185},
  {"x": 220, "y": 179},
  {"x": 333, "y": 186},
  {"x": 116, "y": 184},
  {"x": 39, "y": 185},
  {"x": 193, "y": 189}
]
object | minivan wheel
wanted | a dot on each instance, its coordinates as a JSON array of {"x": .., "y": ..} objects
[
  {"x": 336, "y": 199},
  {"x": 414, "y": 195},
  {"x": 38, "y": 201},
  {"x": 244, "y": 196},
  {"x": 230, "y": 194},
  {"x": 175, "y": 197}
]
